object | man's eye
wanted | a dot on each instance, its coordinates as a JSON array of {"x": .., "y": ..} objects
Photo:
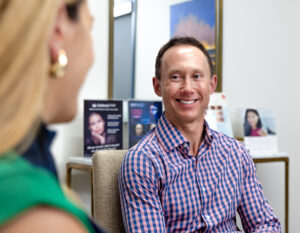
[
  {"x": 197, "y": 76},
  {"x": 175, "y": 76}
]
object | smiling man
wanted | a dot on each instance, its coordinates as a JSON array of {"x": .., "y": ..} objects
[{"x": 183, "y": 176}]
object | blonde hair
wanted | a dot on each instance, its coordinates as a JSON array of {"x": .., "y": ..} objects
[{"x": 25, "y": 61}]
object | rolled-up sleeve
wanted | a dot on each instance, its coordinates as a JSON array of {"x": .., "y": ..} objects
[{"x": 139, "y": 195}]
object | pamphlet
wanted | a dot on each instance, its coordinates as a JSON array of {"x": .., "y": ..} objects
[
  {"x": 142, "y": 117},
  {"x": 259, "y": 132},
  {"x": 217, "y": 114},
  {"x": 102, "y": 125}
]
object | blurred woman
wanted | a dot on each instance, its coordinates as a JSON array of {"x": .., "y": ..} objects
[
  {"x": 252, "y": 124},
  {"x": 45, "y": 53}
]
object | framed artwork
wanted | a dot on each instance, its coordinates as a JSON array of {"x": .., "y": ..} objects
[{"x": 201, "y": 19}]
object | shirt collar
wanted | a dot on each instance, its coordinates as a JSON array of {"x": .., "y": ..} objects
[
  {"x": 208, "y": 136},
  {"x": 39, "y": 153},
  {"x": 48, "y": 134},
  {"x": 170, "y": 137}
]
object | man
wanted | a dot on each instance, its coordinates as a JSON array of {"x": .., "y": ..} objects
[{"x": 183, "y": 176}]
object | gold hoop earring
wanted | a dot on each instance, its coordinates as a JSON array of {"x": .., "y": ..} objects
[{"x": 57, "y": 69}]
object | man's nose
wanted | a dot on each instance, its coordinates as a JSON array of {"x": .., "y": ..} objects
[{"x": 187, "y": 85}]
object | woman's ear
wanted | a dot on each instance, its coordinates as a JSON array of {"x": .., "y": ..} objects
[{"x": 58, "y": 32}]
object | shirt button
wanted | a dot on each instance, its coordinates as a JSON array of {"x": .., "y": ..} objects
[
  {"x": 207, "y": 217},
  {"x": 185, "y": 145},
  {"x": 203, "y": 189}
]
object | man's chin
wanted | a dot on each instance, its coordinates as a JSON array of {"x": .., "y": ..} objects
[{"x": 184, "y": 119}]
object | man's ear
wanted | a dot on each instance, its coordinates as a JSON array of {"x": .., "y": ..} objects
[
  {"x": 58, "y": 32},
  {"x": 213, "y": 83},
  {"x": 156, "y": 86}
]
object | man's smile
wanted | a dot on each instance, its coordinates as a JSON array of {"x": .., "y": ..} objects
[{"x": 186, "y": 101}]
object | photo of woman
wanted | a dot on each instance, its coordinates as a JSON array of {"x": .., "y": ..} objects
[
  {"x": 102, "y": 126},
  {"x": 253, "y": 124},
  {"x": 96, "y": 126}
]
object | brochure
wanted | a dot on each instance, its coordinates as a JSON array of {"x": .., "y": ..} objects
[
  {"x": 142, "y": 117},
  {"x": 217, "y": 114},
  {"x": 102, "y": 125},
  {"x": 259, "y": 131}
]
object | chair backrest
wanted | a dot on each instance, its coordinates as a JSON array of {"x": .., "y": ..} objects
[{"x": 107, "y": 208}]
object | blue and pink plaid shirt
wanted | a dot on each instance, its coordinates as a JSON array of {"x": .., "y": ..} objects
[{"x": 165, "y": 189}]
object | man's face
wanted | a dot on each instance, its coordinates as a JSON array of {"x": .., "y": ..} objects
[{"x": 185, "y": 84}]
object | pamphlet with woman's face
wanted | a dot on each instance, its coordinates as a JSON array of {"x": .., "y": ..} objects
[
  {"x": 103, "y": 122},
  {"x": 259, "y": 131}
]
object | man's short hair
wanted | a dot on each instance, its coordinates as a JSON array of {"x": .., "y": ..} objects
[{"x": 175, "y": 41}]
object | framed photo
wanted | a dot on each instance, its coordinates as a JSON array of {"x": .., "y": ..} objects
[{"x": 201, "y": 19}]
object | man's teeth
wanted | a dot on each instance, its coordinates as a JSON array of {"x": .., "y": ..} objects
[{"x": 187, "y": 101}]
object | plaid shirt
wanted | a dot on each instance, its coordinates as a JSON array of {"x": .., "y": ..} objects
[{"x": 165, "y": 189}]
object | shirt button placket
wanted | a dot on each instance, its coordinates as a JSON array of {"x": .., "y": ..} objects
[
  {"x": 199, "y": 184},
  {"x": 202, "y": 188}
]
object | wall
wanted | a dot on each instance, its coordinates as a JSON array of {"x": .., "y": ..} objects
[
  {"x": 151, "y": 33},
  {"x": 261, "y": 49},
  {"x": 69, "y": 141},
  {"x": 260, "y": 55}
]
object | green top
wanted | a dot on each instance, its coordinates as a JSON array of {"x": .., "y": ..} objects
[{"x": 23, "y": 186}]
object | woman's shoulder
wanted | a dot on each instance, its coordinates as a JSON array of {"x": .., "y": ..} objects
[
  {"x": 15, "y": 170},
  {"x": 24, "y": 187},
  {"x": 43, "y": 219}
]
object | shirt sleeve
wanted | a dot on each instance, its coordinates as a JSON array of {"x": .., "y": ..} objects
[
  {"x": 255, "y": 211},
  {"x": 139, "y": 194}
]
